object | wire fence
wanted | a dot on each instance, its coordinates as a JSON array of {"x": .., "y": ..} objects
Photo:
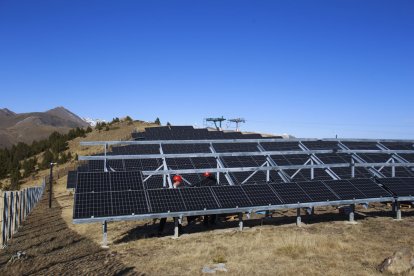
[{"x": 15, "y": 206}]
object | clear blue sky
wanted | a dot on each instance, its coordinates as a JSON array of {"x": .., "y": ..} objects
[{"x": 308, "y": 68}]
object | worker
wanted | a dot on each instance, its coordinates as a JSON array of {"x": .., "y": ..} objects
[{"x": 177, "y": 179}]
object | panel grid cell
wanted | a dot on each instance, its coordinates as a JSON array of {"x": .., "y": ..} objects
[
  {"x": 231, "y": 196},
  {"x": 126, "y": 181},
  {"x": 93, "y": 182},
  {"x": 344, "y": 189},
  {"x": 261, "y": 195},
  {"x": 290, "y": 193},
  {"x": 92, "y": 205},
  {"x": 199, "y": 199},
  {"x": 129, "y": 203},
  {"x": 317, "y": 191},
  {"x": 166, "y": 200}
]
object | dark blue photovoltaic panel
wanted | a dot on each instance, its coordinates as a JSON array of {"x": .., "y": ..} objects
[
  {"x": 401, "y": 186},
  {"x": 115, "y": 165},
  {"x": 93, "y": 182},
  {"x": 231, "y": 196},
  {"x": 321, "y": 145},
  {"x": 129, "y": 203},
  {"x": 290, "y": 193},
  {"x": 317, "y": 191},
  {"x": 261, "y": 195},
  {"x": 369, "y": 188},
  {"x": 124, "y": 181},
  {"x": 199, "y": 199},
  {"x": 92, "y": 205},
  {"x": 71, "y": 180},
  {"x": 166, "y": 200},
  {"x": 344, "y": 189}
]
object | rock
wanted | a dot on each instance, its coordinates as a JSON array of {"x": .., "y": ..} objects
[
  {"x": 221, "y": 267},
  {"x": 400, "y": 262},
  {"x": 208, "y": 270},
  {"x": 20, "y": 255}
]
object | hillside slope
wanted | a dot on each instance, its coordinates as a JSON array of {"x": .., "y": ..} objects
[{"x": 27, "y": 127}]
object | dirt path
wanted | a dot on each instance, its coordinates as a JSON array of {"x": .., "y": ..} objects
[{"x": 54, "y": 249}]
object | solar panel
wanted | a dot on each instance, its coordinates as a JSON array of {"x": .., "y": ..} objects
[
  {"x": 129, "y": 203},
  {"x": 235, "y": 147},
  {"x": 290, "y": 193},
  {"x": 321, "y": 145},
  {"x": 261, "y": 195},
  {"x": 399, "y": 186},
  {"x": 71, "y": 179},
  {"x": 369, "y": 188},
  {"x": 231, "y": 196},
  {"x": 93, "y": 182},
  {"x": 317, "y": 191},
  {"x": 344, "y": 189},
  {"x": 186, "y": 148},
  {"x": 398, "y": 145},
  {"x": 361, "y": 145},
  {"x": 280, "y": 146},
  {"x": 92, "y": 205},
  {"x": 124, "y": 181},
  {"x": 115, "y": 165},
  {"x": 199, "y": 199},
  {"x": 165, "y": 200},
  {"x": 96, "y": 165},
  {"x": 154, "y": 182}
]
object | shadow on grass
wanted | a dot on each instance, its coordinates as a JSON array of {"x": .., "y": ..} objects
[{"x": 150, "y": 230}]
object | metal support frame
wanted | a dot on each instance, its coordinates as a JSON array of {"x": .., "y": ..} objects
[
  {"x": 104, "y": 234},
  {"x": 265, "y": 164},
  {"x": 298, "y": 217},
  {"x": 284, "y": 176},
  {"x": 318, "y": 161},
  {"x": 352, "y": 213},
  {"x": 229, "y": 141},
  {"x": 240, "y": 215},
  {"x": 105, "y": 150},
  {"x": 165, "y": 177},
  {"x": 220, "y": 166},
  {"x": 176, "y": 227},
  {"x": 238, "y": 210},
  {"x": 397, "y": 210},
  {"x": 360, "y": 160}
]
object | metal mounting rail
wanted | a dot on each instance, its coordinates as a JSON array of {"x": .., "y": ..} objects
[
  {"x": 287, "y": 167},
  {"x": 227, "y": 141},
  {"x": 229, "y": 154},
  {"x": 235, "y": 210}
]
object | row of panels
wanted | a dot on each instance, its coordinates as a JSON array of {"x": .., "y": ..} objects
[
  {"x": 254, "y": 147},
  {"x": 121, "y": 203},
  {"x": 189, "y": 133}
]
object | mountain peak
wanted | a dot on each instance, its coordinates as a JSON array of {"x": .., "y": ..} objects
[{"x": 7, "y": 112}]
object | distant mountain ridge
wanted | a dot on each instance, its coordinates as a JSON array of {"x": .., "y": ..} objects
[{"x": 27, "y": 127}]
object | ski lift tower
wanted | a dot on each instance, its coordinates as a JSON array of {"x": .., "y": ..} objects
[
  {"x": 238, "y": 121},
  {"x": 215, "y": 121}
]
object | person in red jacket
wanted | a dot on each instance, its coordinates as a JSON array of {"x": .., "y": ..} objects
[{"x": 177, "y": 180}]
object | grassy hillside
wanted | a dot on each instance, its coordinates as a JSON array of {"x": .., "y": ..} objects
[{"x": 326, "y": 244}]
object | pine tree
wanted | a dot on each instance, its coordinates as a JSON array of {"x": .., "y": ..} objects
[{"x": 157, "y": 121}]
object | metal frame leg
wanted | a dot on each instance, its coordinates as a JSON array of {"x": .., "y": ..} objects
[
  {"x": 105, "y": 234},
  {"x": 298, "y": 217},
  {"x": 352, "y": 213},
  {"x": 176, "y": 229},
  {"x": 397, "y": 209},
  {"x": 241, "y": 221}
]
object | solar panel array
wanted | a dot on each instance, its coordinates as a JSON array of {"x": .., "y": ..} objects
[
  {"x": 122, "y": 194},
  {"x": 190, "y": 133},
  {"x": 124, "y": 191}
]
